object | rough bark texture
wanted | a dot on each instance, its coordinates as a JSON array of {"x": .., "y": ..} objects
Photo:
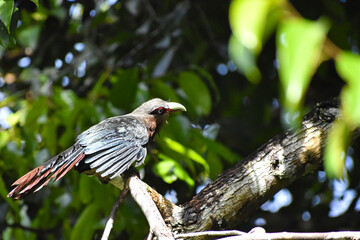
[{"x": 240, "y": 190}]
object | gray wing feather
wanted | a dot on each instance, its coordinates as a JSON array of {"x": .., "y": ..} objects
[
  {"x": 119, "y": 171},
  {"x": 114, "y": 144},
  {"x": 92, "y": 157},
  {"x": 141, "y": 157},
  {"x": 109, "y": 159},
  {"x": 124, "y": 163},
  {"x": 101, "y": 145},
  {"x": 124, "y": 167},
  {"x": 93, "y": 134}
]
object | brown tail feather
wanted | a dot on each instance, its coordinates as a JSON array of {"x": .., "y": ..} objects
[
  {"x": 75, "y": 162},
  {"x": 27, "y": 177},
  {"x": 40, "y": 177},
  {"x": 24, "y": 180},
  {"x": 58, "y": 174},
  {"x": 31, "y": 185}
]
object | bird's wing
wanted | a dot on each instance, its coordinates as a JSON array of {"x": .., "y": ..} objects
[
  {"x": 111, "y": 146},
  {"x": 108, "y": 149}
]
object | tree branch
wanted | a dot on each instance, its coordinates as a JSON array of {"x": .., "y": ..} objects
[
  {"x": 210, "y": 234},
  {"x": 139, "y": 193},
  {"x": 294, "y": 235},
  {"x": 242, "y": 189},
  {"x": 261, "y": 234},
  {"x": 110, "y": 221}
]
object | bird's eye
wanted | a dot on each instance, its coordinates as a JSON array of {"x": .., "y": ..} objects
[{"x": 159, "y": 111}]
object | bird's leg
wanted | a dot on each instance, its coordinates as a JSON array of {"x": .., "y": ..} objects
[{"x": 118, "y": 182}]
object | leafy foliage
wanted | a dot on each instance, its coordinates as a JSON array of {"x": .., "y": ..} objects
[
  {"x": 67, "y": 65},
  {"x": 301, "y": 48}
]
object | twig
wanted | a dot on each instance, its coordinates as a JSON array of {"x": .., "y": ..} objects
[
  {"x": 257, "y": 235},
  {"x": 142, "y": 197},
  {"x": 295, "y": 235},
  {"x": 150, "y": 9},
  {"x": 42, "y": 231},
  {"x": 171, "y": 18},
  {"x": 150, "y": 235},
  {"x": 110, "y": 222},
  {"x": 210, "y": 233}
]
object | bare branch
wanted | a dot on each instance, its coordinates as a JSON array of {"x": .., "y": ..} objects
[
  {"x": 142, "y": 197},
  {"x": 39, "y": 231},
  {"x": 295, "y": 235},
  {"x": 261, "y": 234},
  {"x": 210, "y": 233},
  {"x": 240, "y": 190},
  {"x": 110, "y": 221}
]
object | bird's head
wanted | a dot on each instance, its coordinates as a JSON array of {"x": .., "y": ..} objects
[{"x": 159, "y": 109}]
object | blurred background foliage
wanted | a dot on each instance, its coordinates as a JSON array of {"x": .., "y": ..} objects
[{"x": 246, "y": 70}]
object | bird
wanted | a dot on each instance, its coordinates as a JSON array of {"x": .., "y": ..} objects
[{"x": 105, "y": 150}]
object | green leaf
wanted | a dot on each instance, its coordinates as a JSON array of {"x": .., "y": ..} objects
[
  {"x": 210, "y": 80},
  {"x": 299, "y": 44},
  {"x": 179, "y": 148},
  {"x": 244, "y": 59},
  {"x": 248, "y": 20},
  {"x": 69, "y": 98},
  {"x": 179, "y": 128},
  {"x": 98, "y": 88},
  {"x": 3, "y": 193},
  {"x": 6, "y": 10},
  {"x": 251, "y": 21},
  {"x": 36, "y": 2},
  {"x": 44, "y": 217},
  {"x": 124, "y": 87},
  {"x": 197, "y": 93},
  {"x": 85, "y": 193},
  {"x": 215, "y": 164},
  {"x": 335, "y": 149},
  {"x": 169, "y": 170},
  {"x": 36, "y": 114},
  {"x": 162, "y": 90},
  {"x": 221, "y": 150},
  {"x": 84, "y": 227},
  {"x": 348, "y": 67},
  {"x": 4, "y": 138},
  {"x": 51, "y": 134},
  {"x": 6, "y": 39},
  {"x": 16, "y": 117},
  {"x": 29, "y": 36}
]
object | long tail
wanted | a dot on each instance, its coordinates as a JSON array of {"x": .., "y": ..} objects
[{"x": 55, "y": 168}]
